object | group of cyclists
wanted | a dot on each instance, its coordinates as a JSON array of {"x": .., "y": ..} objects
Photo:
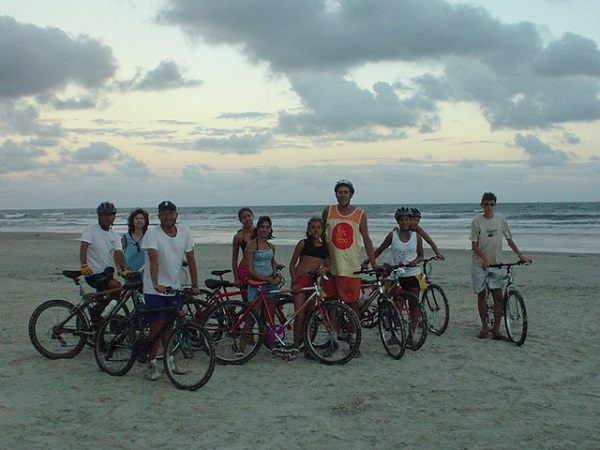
[{"x": 332, "y": 246}]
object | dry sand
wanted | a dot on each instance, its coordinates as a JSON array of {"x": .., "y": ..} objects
[{"x": 456, "y": 392}]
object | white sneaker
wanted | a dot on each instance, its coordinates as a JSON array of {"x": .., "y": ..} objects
[
  {"x": 153, "y": 373},
  {"x": 177, "y": 370}
]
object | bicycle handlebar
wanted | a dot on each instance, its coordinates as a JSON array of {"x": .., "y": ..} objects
[{"x": 518, "y": 263}]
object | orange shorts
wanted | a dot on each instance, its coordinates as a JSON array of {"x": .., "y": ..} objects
[{"x": 346, "y": 289}]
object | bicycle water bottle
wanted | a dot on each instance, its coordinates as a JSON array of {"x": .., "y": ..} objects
[{"x": 109, "y": 308}]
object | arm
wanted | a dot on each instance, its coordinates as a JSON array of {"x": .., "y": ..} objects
[
  {"x": 83, "y": 248},
  {"x": 193, "y": 269},
  {"x": 429, "y": 241},
  {"x": 419, "y": 258},
  {"x": 235, "y": 257},
  {"x": 515, "y": 249},
  {"x": 153, "y": 260},
  {"x": 387, "y": 241},
  {"x": 119, "y": 258},
  {"x": 294, "y": 261},
  {"x": 484, "y": 261},
  {"x": 364, "y": 232}
]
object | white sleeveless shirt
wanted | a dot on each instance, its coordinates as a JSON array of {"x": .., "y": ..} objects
[{"x": 403, "y": 253}]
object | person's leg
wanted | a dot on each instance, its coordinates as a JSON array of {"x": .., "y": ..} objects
[
  {"x": 299, "y": 299},
  {"x": 482, "y": 308},
  {"x": 498, "y": 313}
]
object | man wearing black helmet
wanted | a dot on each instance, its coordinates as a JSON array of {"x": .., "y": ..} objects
[{"x": 100, "y": 248}]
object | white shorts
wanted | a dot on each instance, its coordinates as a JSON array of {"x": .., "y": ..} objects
[{"x": 479, "y": 276}]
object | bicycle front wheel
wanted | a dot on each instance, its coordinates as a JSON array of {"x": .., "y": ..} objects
[
  {"x": 438, "y": 310},
  {"x": 189, "y": 357},
  {"x": 57, "y": 330},
  {"x": 391, "y": 329},
  {"x": 332, "y": 333},
  {"x": 115, "y": 346},
  {"x": 415, "y": 319},
  {"x": 515, "y": 317},
  {"x": 236, "y": 339}
]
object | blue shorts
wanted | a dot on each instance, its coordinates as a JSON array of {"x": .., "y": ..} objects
[
  {"x": 253, "y": 290},
  {"x": 153, "y": 301}
]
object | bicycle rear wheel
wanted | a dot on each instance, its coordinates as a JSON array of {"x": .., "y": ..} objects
[
  {"x": 415, "y": 319},
  {"x": 189, "y": 357},
  {"x": 391, "y": 329},
  {"x": 332, "y": 333},
  {"x": 438, "y": 310},
  {"x": 236, "y": 341},
  {"x": 515, "y": 317},
  {"x": 114, "y": 348},
  {"x": 57, "y": 330}
]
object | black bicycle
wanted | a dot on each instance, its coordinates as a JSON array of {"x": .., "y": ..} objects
[
  {"x": 188, "y": 354},
  {"x": 60, "y": 329}
]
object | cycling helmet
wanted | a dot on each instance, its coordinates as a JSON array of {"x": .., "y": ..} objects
[
  {"x": 106, "y": 208},
  {"x": 346, "y": 183},
  {"x": 404, "y": 211},
  {"x": 416, "y": 212}
]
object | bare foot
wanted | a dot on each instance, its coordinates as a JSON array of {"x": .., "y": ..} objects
[{"x": 483, "y": 334}]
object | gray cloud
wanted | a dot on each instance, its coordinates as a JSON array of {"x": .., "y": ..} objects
[
  {"x": 36, "y": 60},
  {"x": 167, "y": 75},
  {"x": 19, "y": 157},
  {"x": 540, "y": 154},
  {"x": 517, "y": 79},
  {"x": 248, "y": 143},
  {"x": 336, "y": 105},
  {"x": 23, "y": 118}
]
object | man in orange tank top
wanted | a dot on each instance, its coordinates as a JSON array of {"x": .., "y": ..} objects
[{"x": 343, "y": 225}]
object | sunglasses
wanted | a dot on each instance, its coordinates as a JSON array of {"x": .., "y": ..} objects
[{"x": 488, "y": 204}]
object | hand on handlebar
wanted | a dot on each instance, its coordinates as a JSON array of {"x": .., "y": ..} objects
[{"x": 85, "y": 271}]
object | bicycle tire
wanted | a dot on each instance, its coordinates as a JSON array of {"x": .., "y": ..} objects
[
  {"x": 57, "y": 329},
  {"x": 436, "y": 305},
  {"x": 391, "y": 329},
  {"x": 416, "y": 326},
  {"x": 515, "y": 317},
  {"x": 233, "y": 345},
  {"x": 115, "y": 346},
  {"x": 326, "y": 335},
  {"x": 192, "y": 308},
  {"x": 189, "y": 357},
  {"x": 369, "y": 318}
]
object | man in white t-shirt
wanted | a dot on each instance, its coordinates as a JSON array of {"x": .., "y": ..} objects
[
  {"x": 100, "y": 248},
  {"x": 486, "y": 236},
  {"x": 166, "y": 245}
]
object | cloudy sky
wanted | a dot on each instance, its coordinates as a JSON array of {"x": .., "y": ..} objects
[{"x": 265, "y": 102}]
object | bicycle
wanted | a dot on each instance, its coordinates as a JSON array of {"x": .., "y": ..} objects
[
  {"x": 332, "y": 331},
  {"x": 434, "y": 300},
  {"x": 411, "y": 310},
  {"x": 59, "y": 329},
  {"x": 188, "y": 354},
  {"x": 515, "y": 314},
  {"x": 391, "y": 326}
]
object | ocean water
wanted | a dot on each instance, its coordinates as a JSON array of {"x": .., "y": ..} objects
[{"x": 551, "y": 227}]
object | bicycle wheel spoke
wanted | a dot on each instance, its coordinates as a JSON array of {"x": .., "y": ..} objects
[
  {"x": 437, "y": 308},
  {"x": 189, "y": 357},
  {"x": 236, "y": 341},
  {"x": 515, "y": 318},
  {"x": 56, "y": 331},
  {"x": 391, "y": 329},
  {"x": 115, "y": 345},
  {"x": 332, "y": 333},
  {"x": 415, "y": 319}
]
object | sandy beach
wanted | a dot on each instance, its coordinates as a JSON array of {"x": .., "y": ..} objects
[{"x": 456, "y": 392}]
